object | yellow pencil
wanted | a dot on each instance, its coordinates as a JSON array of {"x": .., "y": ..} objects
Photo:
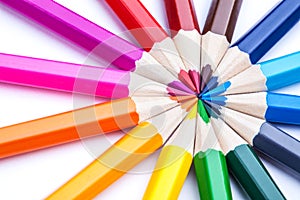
[{"x": 174, "y": 162}]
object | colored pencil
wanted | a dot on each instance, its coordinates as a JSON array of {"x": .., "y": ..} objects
[
  {"x": 151, "y": 36},
  {"x": 126, "y": 153},
  {"x": 83, "y": 79},
  {"x": 186, "y": 35},
  {"x": 218, "y": 31},
  {"x": 257, "y": 41},
  {"x": 245, "y": 165},
  {"x": 274, "y": 26},
  {"x": 265, "y": 76},
  {"x": 209, "y": 161},
  {"x": 95, "y": 39},
  {"x": 139, "y": 22},
  {"x": 79, "y": 30},
  {"x": 174, "y": 161},
  {"x": 268, "y": 139},
  {"x": 273, "y": 107},
  {"x": 73, "y": 125}
]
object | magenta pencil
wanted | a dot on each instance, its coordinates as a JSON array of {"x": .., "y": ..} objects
[
  {"x": 76, "y": 78},
  {"x": 91, "y": 37}
]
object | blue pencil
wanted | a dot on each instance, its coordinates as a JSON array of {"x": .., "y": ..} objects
[
  {"x": 265, "y": 76},
  {"x": 256, "y": 42},
  {"x": 273, "y": 107}
]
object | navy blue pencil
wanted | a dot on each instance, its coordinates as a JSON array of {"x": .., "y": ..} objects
[{"x": 256, "y": 42}]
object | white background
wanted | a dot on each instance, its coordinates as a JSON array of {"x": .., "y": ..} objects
[{"x": 34, "y": 176}]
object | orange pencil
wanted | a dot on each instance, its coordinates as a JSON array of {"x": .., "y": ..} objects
[{"x": 89, "y": 121}]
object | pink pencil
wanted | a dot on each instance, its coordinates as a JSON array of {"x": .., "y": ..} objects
[{"x": 83, "y": 79}]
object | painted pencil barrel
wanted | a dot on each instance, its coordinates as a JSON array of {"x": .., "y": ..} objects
[
  {"x": 251, "y": 174},
  {"x": 282, "y": 71},
  {"x": 283, "y": 108},
  {"x": 212, "y": 175},
  {"x": 222, "y": 17},
  {"x": 181, "y": 15},
  {"x": 61, "y": 76},
  {"x": 67, "y": 127},
  {"x": 261, "y": 38},
  {"x": 126, "y": 153},
  {"x": 80, "y": 31},
  {"x": 139, "y": 21},
  {"x": 170, "y": 173},
  {"x": 278, "y": 145}
]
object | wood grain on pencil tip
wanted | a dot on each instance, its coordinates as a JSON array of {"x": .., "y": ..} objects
[
  {"x": 209, "y": 160},
  {"x": 266, "y": 76},
  {"x": 257, "y": 132},
  {"x": 150, "y": 35},
  {"x": 186, "y": 35},
  {"x": 174, "y": 161},
  {"x": 218, "y": 31},
  {"x": 273, "y": 107},
  {"x": 253, "y": 45},
  {"x": 245, "y": 165}
]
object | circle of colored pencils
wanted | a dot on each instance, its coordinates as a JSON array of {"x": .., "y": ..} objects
[
  {"x": 187, "y": 93},
  {"x": 126, "y": 153}
]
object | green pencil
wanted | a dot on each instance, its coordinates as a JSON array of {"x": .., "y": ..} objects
[{"x": 209, "y": 161}]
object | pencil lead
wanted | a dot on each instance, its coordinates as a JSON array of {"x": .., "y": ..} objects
[
  {"x": 218, "y": 90},
  {"x": 186, "y": 79},
  {"x": 180, "y": 86},
  {"x": 220, "y": 100},
  {"x": 212, "y": 83},
  {"x": 205, "y": 76},
  {"x": 212, "y": 109},
  {"x": 195, "y": 77}
]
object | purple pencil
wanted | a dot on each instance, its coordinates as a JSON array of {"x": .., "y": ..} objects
[{"x": 92, "y": 37}]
